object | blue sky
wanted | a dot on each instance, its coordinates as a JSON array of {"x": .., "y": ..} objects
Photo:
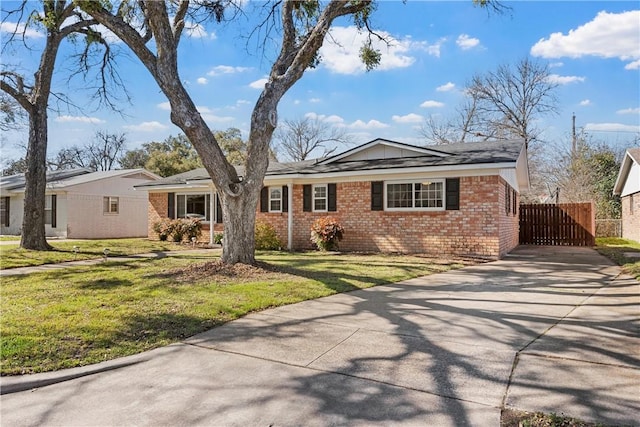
[{"x": 592, "y": 47}]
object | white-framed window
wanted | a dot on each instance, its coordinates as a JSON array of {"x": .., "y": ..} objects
[
  {"x": 193, "y": 206},
  {"x": 275, "y": 199},
  {"x": 111, "y": 205},
  {"x": 320, "y": 198},
  {"x": 415, "y": 195},
  {"x": 48, "y": 209}
]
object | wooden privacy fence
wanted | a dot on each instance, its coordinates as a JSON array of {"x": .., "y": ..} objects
[{"x": 568, "y": 224}]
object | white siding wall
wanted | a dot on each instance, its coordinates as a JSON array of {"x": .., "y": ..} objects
[
  {"x": 16, "y": 209},
  {"x": 16, "y": 212},
  {"x": 86, "y": 217},
  {"x": 632, "y": 184}
]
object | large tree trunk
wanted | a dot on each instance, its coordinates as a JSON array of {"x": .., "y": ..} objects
[
  {"x": 33, "y": 232},
  {"x": 239, "y": 215}
]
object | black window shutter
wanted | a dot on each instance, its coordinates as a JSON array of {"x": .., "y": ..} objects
[
  {"x": 377, "y": 199},
  {"x": 452, "y": 194},
  {"x": 331, "y": 193},
  {"x": 7, "y": 214},
  {"x": 285, "y": 198},
  {"x": 218, "y": 210},
  {"x": 171, "y": 205},
  {"x": 53, "y": 210},
  {"x": 306, "y": 198},
  {"x": 515, "y": 203},
  {"x": 264, "y": 199}
]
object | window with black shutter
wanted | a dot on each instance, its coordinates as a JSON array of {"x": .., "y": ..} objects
[
  {"x": 452, "y": 199},
  {"x": 306, "y": 198},
  {"x": 171, "y": 205},
  {"x": 377, "y": 196}
]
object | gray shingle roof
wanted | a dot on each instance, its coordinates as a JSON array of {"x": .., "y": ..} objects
[
  {"x": 14, "y": 182},
  {"x": 487, "y": 152}
]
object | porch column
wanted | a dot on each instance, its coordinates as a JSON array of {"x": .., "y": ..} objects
[
  {"x": 290, "y": 216},
  {"x": 212, "y": 214}
]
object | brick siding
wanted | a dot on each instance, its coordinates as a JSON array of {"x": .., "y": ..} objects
[
  {"x": 631, "y": 217},
  {"x": 480, "y": 228}
]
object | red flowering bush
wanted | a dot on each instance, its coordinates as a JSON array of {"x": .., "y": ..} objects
[{"x": 326, "y": 233}]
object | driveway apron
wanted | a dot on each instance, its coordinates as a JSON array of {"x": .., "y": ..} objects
[{"x": 546, "y": 328}]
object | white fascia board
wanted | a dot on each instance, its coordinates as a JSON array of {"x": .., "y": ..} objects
[
  {"x": 622, "y": 174},
  {"x": 177, "y": 187},
  {"x": 383, "y": 174}
]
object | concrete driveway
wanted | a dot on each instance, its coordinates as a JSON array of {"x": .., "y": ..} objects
[{"x": 545, "y": 329}]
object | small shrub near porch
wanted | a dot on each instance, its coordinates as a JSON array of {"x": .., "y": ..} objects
[
  {"x": 326, "y": 232},
  {"x": 178, "y": 229}
]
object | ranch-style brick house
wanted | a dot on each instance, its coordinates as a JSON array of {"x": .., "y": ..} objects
[
  {"x": 82, "y": 204},
  {"x": 389, "y": 196},
  {"x": 627, "y": 186}
]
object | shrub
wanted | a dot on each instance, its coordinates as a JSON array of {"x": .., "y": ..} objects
[
  {"x": 326, "y": 233},
  {"x": 266, "y": 237},
  {"x": 191, "y": 228},
  {"x": 177, "y": 229},
  {"x": 163, "y": 228},
  {"x": 217, "y": 238}
]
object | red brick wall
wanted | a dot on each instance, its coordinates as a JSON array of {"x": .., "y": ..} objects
[
  {"x": 631, "y": 218},
  {"x": 481, "y": 227},
  {"x": 509, "y": 220}
]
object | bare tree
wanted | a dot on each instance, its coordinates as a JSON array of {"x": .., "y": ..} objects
[
  {"x": 500, "y": 104},
  {"x": 511, "y": 98},
  {"x": 154, "y": 35},
  {"x": 12, "y": 115},
  {"x": 60, "y": 19},
  {"x": 298, "y": 138},
  {"x": 102, "y": 154}
]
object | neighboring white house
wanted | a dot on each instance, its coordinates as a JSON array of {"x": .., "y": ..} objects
[
  {"x": 628, "y": 188},
  {"x": 82, "y": 204}
]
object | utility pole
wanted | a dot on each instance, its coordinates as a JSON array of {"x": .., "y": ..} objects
[{"x": 573, "y": 136}]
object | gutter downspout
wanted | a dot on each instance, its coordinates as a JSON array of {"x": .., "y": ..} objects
[
  {"x": 212, "y": 215},
  {"x": 290, "y": 216}
]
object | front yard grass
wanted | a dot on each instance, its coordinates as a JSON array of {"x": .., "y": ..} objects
[
  {"x": 88, "y": 314},
  {"x": 615, "y": 249},
  {"x": 12, "y": 256}
]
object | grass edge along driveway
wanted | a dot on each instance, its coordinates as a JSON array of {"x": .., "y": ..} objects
[{"x": 88, "y": 314}]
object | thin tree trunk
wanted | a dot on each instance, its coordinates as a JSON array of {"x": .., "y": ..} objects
[{"x": 33, "y": 231}]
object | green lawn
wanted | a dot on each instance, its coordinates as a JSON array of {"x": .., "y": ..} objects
[
  {"x": 9, "y": 238},
  {"x": 87, "y": 314},
  {"x": 615, "y": 249},
  {"x": 12, "y": 256}
]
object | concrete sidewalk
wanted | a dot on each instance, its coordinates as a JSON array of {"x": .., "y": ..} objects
[
  {"x": 552, "y": 329},
  {"x": 52, "y": 267}
]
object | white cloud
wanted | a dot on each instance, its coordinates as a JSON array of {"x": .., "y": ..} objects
[
  {"x": 432, "y": 104},
  {"x": 371, "y": 124},
  {"x": 585, "y": 102},
  {"x": 258, "y": 84},
  {"x": 564, "y": 80},
  {"x": 202, "y": 81},
  {"x": 147, "y": 127},
  {"x": 212, "y": 118},
  {"x": 446, "y": 87},
  {"x": 611, "y": 127},
  {"x": 195, "y": 30},
  {"x": 315, "y": 100},
  {"x": 465, "y": 42},
  {"x": 333, "y": 119},
  {"x": 20, "y": 28},
  {"x": 556, "y": 64},
  {"x": 226, "y": 69},
  {"x": 166, "y": 106},
  {"x": 629, "y": 111},
  {"x": 78, "y": 119},
  {"x": 409, "y": 118},
  {"x": 608, "y": 35},
  {"x": 341, "y": 51},
  {"x": 635, "y": 65}
]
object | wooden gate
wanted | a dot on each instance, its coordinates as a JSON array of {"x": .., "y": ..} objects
[{"x": 570, "y": 224}]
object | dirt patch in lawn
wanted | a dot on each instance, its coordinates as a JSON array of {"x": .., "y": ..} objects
[
  {"x": 237, "y": 272},
  {"x": 513, "y": 418}
]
